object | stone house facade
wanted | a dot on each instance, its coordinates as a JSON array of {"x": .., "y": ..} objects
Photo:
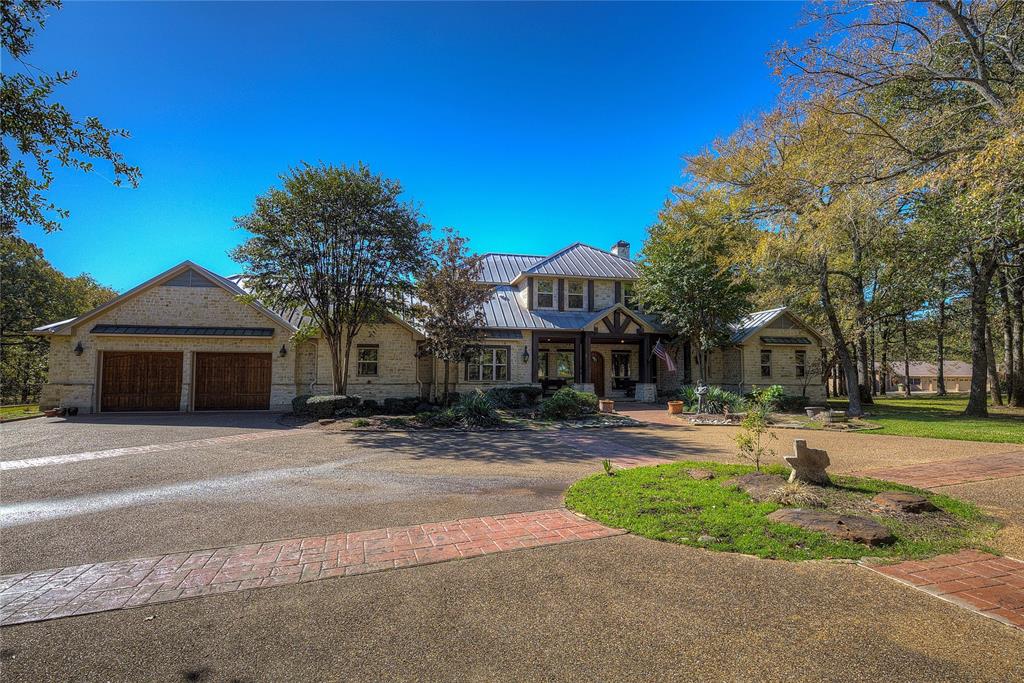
[{"x": 190, "y": 339}]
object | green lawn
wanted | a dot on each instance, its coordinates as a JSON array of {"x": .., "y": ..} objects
[
  {"x": 664, "y": 503},
  {"x": 14, "y": 412},
  {"x": 940, "y": 418}
]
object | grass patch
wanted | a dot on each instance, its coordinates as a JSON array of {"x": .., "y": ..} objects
[
  {"x": 664, "y": 503},
  {"x": 940, "y": 418},
  {"x": 16, "y": 412}
]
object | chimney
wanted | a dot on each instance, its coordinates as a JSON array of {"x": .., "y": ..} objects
[{"x": 621, "y": 249}]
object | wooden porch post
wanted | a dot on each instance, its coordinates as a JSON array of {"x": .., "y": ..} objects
[
  {"x": 645, "y": 360},
  {"x": 586, "y": 358},
  {"x": 534, "y": 353}
]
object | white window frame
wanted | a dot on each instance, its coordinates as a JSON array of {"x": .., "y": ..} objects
[
  {"x": 375, "y": 361},
  {"x": 485, "y": 364},
  {"x": 800, "y": 362},
  {"x": 550, "y": 285},
  {"x": 569, "y": 294},
  {"x": 767, "y": 365},
  {"x": 628, "y": 355},
  {"x": 629, "y": 296}
]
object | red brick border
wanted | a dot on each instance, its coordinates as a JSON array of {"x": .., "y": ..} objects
[
  {"x": 989, "y": 585},
  {"x": 949, "y": 472},
  {"x": 88, "y": 588}
]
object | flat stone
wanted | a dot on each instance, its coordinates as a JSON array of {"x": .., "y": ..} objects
[
  {"x": 757, "y": 485},
  {"x": 326, "y": 420},
  {"x": 705, "y": 538},
  {"x": 700, "y": 474},
  {"x": 903, "y": 502},
  {"x": 845, "y": 527}
]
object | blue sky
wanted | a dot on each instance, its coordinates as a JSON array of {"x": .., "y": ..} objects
[{"x": 524, "y": 126}]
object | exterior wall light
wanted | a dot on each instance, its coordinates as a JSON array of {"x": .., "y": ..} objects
[
  {"x": 79, "y": 349},
  {"x": 283, "y": 352},
  {"x": 526, "y": 354}
]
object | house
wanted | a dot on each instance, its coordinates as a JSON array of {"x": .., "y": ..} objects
[
  {"x": 924, "y": 376},
  {"x": 189, "y": 339}
]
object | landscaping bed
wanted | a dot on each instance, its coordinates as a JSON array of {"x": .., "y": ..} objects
[
  {"x": 507, "y": 421},
  {"x": 667, "y": 503},
  {"x": 19, "y": 412}
]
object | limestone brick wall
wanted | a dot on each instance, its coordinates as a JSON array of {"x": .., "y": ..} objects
[
  {"x": 72, "y": 380},
  {"x": 783, "y": 367},
  {"x": 519, "y": 372},
  {"x": 396, "y": 364},
  {"x": 604, "y": 294}
]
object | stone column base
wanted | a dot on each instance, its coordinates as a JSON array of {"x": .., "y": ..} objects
[{"x": 646, "y": 392}]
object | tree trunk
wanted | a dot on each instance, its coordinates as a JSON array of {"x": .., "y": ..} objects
[
  {"x": 446, "y": 393},
  {"x": 1008, "y": 346},
  {"x": 1017, "y": 312},
  {"x": 854, "y": 408},
  {"x": 883, "y": 379},
  {"x": 981, "y": 283},
  {"x": 993, "y": 374},
  {"x": 940, "y": 342},
  {"x": 342, "y": 386},
  {"x": 873, "y": 374},
  {"x": 337, "y": 375},
  {"x": 906, "y": 359}
]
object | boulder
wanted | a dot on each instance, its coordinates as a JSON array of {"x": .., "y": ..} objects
[
  {"x": 757, "y": 485},
  {"x": 808, "y": 464},
  {"x": 901, "y": 501},
  {"x": 845, "y": 527},
  {"x": 701, "y": 474}
]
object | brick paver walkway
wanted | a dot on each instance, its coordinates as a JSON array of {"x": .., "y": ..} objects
[
  {"x": 594, "y": 444},
  {"x": 68, "y": 458},
  {"x": 651, "y": 413},
  {"x": 88, "y": 588},
  {"x": 992, "y": 586},
  {"x": 948, "y": 472}
]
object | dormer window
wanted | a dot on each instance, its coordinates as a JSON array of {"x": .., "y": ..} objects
[
  {"x": 545, "y": 294},
  {"x": 574, "y": 295}
]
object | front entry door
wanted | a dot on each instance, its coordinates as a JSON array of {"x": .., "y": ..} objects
[{"x": 597, "y": 372}]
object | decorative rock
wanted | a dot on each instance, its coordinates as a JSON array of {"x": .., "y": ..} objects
[
  {"x": 845, "y": 527},
  {"x": 757, "y": 485},
  {"x": 704, "y": 538},
  {"x": 701, "y": 474},
  {"x": 327, "y": 420},
  {"x": 903, "y": 502},
  {"x": 808, "y": 464}
]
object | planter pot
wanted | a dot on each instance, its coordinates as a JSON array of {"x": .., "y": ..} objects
[
  {"x": 814, "y": 411},
  {"x": 606, "y": 405},
  {"x": 675, "y": 407},
  {"x": 833, "y": 416}
]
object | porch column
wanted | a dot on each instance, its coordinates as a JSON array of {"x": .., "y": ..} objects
[
  {"x": 534, "y": 352},
  {"x": 577, "y": 373},
  {"x": 645, "y": 359},
  {"x": 586, "y": 358}
]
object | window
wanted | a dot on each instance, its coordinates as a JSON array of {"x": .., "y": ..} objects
[
  {"x": 489, "y": 364},
  {"x": 801, "y": 363},
  {"x": 366, "y": 357},
  {"x": 545, "y": 294},
  {"x": 620, "y": 364},
  {"x": 574, "y": 295},
  {"x": 565, "y": 364},
  {"x": 542, "y": 365},
  {"x": 629, "y": 296},
  {"x": 766, "y": 363}
]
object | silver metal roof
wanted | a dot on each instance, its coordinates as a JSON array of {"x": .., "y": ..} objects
[
  {"x": 501, "y": 269},
  {"x": 583, "y": 260},
  {"x": 504, "y": 311},
  {"x": 751, "y": 323}
]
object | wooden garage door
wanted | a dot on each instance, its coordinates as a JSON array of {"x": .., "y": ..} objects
[
  {"x": 135, "y": 380},
  {"x": 232, "y": 381}
]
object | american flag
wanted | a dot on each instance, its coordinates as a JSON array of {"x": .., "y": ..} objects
[{"x": 661, "y": 352}]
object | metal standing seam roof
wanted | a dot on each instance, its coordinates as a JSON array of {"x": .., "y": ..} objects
[
  {"x": 174, "y": 330},
  {"x": 504, "y": 311},
  {"x": 752, "y": 322},
  {"x": 500, "y": 269},
  {"x": 583, "y": 260}
]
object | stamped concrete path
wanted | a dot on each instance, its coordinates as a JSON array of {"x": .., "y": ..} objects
[
  {"x": 949, "y": 472},
  {"x": 88, "y": 588}
]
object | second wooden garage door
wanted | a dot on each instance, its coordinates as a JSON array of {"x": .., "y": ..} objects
[{"x": 232, "y": 381}]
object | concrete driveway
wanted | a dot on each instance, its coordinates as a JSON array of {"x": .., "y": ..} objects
[{"x": 613, "y": 609}]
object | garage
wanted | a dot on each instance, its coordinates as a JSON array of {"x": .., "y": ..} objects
[
  {"x": 140, "y": 381},
  {"x": 232, "y": 381}
]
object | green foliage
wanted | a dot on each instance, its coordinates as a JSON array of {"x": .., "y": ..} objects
[
  {"x": 768, "y": 397},
  {"x": 715, "y": 401},
  {"x": 318, "y": 407},
  {"x": 449, "y": 417},
  {"x": 568, "y": 404},
  {"x": 38, "y": 130},
  {"x": 361, "y": 422},
  {"x": 338, "y": 243},
  {"x": 477, "y": 410},
  {"x": 35, "y": 293},
  {"x": 401, "y": 406},
  {"x": 754, "y": 436},
  {"x": 664, "y": 503},
  {"x": 515, "y": 397},
  {"x": 607, "y": 465}
]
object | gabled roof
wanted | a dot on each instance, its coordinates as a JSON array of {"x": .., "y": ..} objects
[
  {"x": 752, "y": 322},
  {"x": 583, "y": 260},
  {"x": 65, "y": 326},
  {"x": 501, "y": 269},
  {"x": 504, "y": 311}
]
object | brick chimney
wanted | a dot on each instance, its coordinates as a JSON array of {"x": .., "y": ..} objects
[{"x": 621, "y": 249}]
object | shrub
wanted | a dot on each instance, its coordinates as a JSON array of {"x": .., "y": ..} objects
[
  {"x": 318, "y": 407},
  {"x": 401, "y": 406},
  {"x": 514, "y": 397},
  {"x": 477, "y": 410},
  {"x": 793, "y": 404},
  {"x": 360, "y": 422},
  {"x": 715, "y": 401},
  {"x": 369, "y": 407},
  {"x": 568, "y": 404},
  {"x": 769, "y": 397},
  {"x": 443, "y": 418},
  {"x": 797, "y": 494}
]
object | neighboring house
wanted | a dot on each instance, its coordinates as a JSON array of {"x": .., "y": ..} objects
[
  {"x": 188, "y": 340},
  {"x": 924, "y": 376}
]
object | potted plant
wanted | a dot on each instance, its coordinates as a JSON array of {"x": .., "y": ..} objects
[
  {"x": 675, "y": 407},
  {"x": 606, "y": 405}
]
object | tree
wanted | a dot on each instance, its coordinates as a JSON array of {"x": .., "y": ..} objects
[
  {"x": 688, "y": 276},
  {"x": 38, "y": 131},
  {"x": 451, "y": 299},
  {"x": 35, "y": 293},
  {"x": 337, "y": 242}
]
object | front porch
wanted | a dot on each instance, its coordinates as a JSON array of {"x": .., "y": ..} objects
[{"x": 610, "y": 365}]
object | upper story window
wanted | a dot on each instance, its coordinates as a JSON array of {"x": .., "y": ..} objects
[
  {"x": 574, "y": 294},
  {"x": 766, "y": 363},
  {"x": 545, "y": 294},
  {"x": 629, "y": 296}
]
